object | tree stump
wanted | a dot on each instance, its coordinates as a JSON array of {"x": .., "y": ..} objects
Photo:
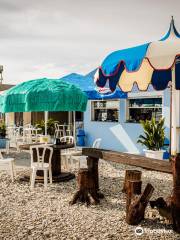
[
  {"x": 176, "y": 170},
  {"x": 135, "y": 210},
  {"x": 86, "y": 188},
  {"x": 176, "y": 193},
  {"x": 131, "y": 175},
  {"x": 134, "y": 187},
  {"x": 92, "y": 163},
  {"x": 176, "y": 209}
]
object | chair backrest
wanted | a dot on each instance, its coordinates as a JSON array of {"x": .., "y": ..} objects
[
  {"x": 59, "y": 126},
  {"x": 68, "y": 139},
  {"x": 17, "y": 131},
  {"x": 96, "y": 143},
  {"x": 40, "y": 151},
  {"x": 56, "y": 126},
  {"x": 28, "y": 125}
]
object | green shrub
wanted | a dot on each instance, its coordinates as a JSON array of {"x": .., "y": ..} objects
[
  {"x": 50, "y": 126},
  {"x": 153, "y": 138}
]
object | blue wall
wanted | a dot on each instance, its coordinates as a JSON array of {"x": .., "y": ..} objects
[{"x": 121, "y": 136}]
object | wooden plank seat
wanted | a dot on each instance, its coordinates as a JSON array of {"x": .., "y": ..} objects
[{"x": 129, "y": 159}]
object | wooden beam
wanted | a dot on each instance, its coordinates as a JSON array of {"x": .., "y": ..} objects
[
  {"x": 129, "y": 159},
  {"x": 4, "y": 87}
]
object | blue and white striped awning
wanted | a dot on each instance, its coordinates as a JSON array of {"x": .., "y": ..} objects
[{"x": 146, "y": 64}]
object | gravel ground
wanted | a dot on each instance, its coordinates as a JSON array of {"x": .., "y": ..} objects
[{"x": 46, "y": 214}]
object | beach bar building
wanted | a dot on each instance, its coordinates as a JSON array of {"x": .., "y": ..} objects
[{"x": 115, "y": 118}]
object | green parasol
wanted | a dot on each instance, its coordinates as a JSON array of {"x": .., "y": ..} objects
[{"x": 43, "y": 95}]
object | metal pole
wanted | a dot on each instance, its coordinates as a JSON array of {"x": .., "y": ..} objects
[
  {"x": 74, "y": 127},
  {"x": 173, "y": 126},
  {"x": 45, "y": 121},
  {"x": 170, "y": 118}
]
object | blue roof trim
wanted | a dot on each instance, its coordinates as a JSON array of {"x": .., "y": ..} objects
[
  {"x": 87, "y": 85},
  {"x": 94, "y": 95}
]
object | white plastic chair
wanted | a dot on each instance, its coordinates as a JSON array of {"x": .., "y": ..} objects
[
  {"x": 59, "y": 131},
  {"x": 69, "y": 130},
  {"x": 10, "y": 163},
  {"x": 19, "y": 138},
  {"x": 97, "y": 143},
  {"x": 67, "y": 139},
  {"x": 66, "y": 153},
  {"x": 40, "y": 164},
  {"x": 81, "y": 160}
]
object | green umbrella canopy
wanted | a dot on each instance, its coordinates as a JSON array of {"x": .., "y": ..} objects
[{"x": 43, "y": 95}]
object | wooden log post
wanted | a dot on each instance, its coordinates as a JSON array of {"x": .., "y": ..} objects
[
  {"x": 136, "y": 209},
  {"x": 176, "y": 170},
  {"x": 133, "y": 190},
  {"x": 86, "y": 188},
  {"x": 176, "y": 209},
  {"x": 134, "y": 187},
  {"x": 131, "y": 175},
  {"x": 92, "y": 163},
  {"x": 176, "y": 193}
]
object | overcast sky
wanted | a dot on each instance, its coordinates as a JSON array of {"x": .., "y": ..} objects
[{"x": 51, "y": 38}]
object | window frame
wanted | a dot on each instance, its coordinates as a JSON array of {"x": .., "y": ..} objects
[
  {"x": 147, "y": 95},
  {"x": 104, "y": 100}
]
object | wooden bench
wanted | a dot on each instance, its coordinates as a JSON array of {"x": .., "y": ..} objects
[{"x": 129, "y": 159}]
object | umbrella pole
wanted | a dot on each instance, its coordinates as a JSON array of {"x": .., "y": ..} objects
[
  {"x": 45, "y": 121},
  {"x": 173, "y": 139},
  {"x": 170, "y": 118},
  {"x": 74, "y": 127}
]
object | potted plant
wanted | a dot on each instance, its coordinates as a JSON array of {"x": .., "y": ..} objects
[
  {"x": 153, "y": 138},
  {"x": 50, "y": 128}
]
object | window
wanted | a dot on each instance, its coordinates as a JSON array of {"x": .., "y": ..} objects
[
  {"x": 105, "y": 111},
  {"x": 144, "y": 109}
]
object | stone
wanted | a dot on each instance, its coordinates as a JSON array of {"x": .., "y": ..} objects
[{"x": 39, "y": 214}]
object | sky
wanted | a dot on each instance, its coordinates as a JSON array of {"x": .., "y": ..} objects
[{"x": 52, "y": 38}]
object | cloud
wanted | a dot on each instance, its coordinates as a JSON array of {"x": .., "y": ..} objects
[{"x": 56, "y": 37}]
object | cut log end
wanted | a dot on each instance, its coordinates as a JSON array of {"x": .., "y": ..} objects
[
  {"x": 131, "y": 175},
  {"x": 134, "y": 187}
]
